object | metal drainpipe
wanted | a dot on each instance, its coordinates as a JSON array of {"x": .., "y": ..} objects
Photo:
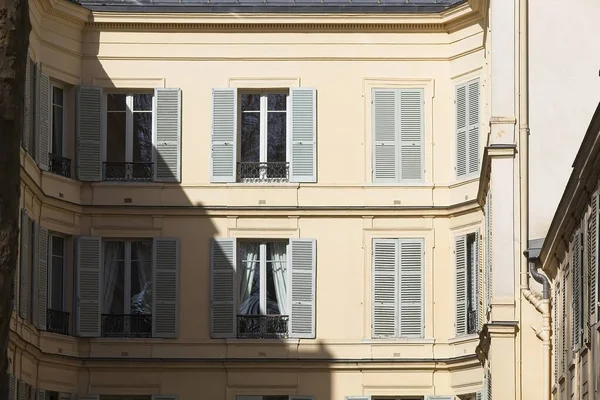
[{"x": 544, "y": 333}]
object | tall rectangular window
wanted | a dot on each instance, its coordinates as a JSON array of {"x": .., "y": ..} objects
[
  {"x": 127, "y": 288},
  {"x": 469, "y": 313},
  {"x": 263, "y": 133},
  {"x": 57, "y": 124},
  {"x": 57, "y": 273},
  {"x": 129, "y": 145}
]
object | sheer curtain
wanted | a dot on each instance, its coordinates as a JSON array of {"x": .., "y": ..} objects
[
  {"x": 141, "y": 270},
  {"x": 279, "y": 265},
  {"x": 249, "y": 299},
  {"x": 113, "y": 252}
]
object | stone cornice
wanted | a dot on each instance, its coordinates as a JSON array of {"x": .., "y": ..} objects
[{"x": 64, "y": 11}]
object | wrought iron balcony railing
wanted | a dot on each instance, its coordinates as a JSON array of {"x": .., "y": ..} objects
[
  {"x": 262, "y": 326},
  {"x": 127, "y": 171},
  {"x": 265, "y": 172},
  {"x": 472, "y": 321},
  {"x": 59, "y": 165},
  {"x": 126, "y": 326},
  {"x": 57, "y": 321}
]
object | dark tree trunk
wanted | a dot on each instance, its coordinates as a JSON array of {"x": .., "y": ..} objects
[{"x": 14, "y": 43}]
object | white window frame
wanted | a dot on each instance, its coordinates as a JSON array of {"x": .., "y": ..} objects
[
  {"x": 126, "y": 272},
  {"x": 263, "y": 121},
  {"x": 54, "y": 84},
  {"x": 128, "y": 122},
  {"x": 262, "y": 256},
  {"x": 51, "y": 269}
]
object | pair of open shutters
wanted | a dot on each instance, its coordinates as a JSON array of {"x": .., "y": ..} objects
[
  {"x": 301, "y": 277},
  {"x": 301, "y": 135},
  {"x": 165, "y": 283}
]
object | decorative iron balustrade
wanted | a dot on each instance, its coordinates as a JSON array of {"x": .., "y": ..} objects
[
  {"x": 59, "y": 165},
  {"x": 262, "y": 326},
  {"x": 263, "y": 172},
  {"x": 128, "y": 171},
  {"x": 472, "y": 321},
  {"x": 57, "y": 321},
  {"x": 127, "y": 326}
]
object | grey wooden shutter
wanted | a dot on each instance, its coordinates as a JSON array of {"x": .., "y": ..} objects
[
  {"x": 593, "y": 261},
  {"x": 411, "y": 288},
  {"x": 385, "y": 135},
  {"x": 89, "y": 133},
  {"x": 165, "y": 267},
  {"x": 473, "y": 125},
  {"x": 302, "y": 296},
  {"x": 224, "y": 135},
  {"x": 88, "y": 286},
  {"x": 303, "y": 135},
  {"x": 555, "y": 329},
  {"x": 11, "y": 387},
  {"x": 24, "y": 267},
  {"x": 42, "y": 277},
  {"x": 476, "y": 284},
  {"x": 88, "y": 397},
  {"x": 411, "y": 134},
  {"x": 43, "y": 118},
  {"x": 41, "y": 394},
  {"x": 22, "y": 390},
  {"x": 167, "y": 135},
  {"x": 385, "y": 288},
  {"x": 576, "y": 290},
  {"x": 461, "y": 130},
  {"x": 460, "y": 261},
  {"x": 28, "y": 101},
  {"x": 479, "y": 395},
  {"x": 223, "y": 289},
  {"x": 164, "y": 397},
  {"x": 563, "y": 330},
  {"x": 488, "y": 252}
]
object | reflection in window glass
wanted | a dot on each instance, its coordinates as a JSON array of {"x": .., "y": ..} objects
[{"x": 57, "y": 120}]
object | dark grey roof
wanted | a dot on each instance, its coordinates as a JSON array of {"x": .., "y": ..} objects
[{"x": 278, "y": 6}]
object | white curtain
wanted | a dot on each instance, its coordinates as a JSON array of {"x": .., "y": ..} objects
[
  {"x": 279, "y": 265},
  {"x": 141, "y": 303},
  {"x": 112, "y": 263},
  {"x": 249, "y": 305}
]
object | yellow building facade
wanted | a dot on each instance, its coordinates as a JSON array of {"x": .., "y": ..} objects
[{"x": 263, "y": 202}]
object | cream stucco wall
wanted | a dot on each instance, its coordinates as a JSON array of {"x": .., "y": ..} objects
[{"x": 343, "y": 210}]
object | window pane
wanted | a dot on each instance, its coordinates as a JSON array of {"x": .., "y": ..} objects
[
  {"x": 113, "y": 282},
  {"x": 250, "y": 148},
  {"x": 250, "y": 102},
  {"x": 277, "y": 278},
  {"x": 142, "y": 102},
  {"x": 56, "y": 302},
  {"x": 116, "y": 102},
  {"x": 249, "y": 278},
  {"x": 57, "y": 130},
  {"x": 276, "y": 102},
  {"x": 142, "y": 137},
  {"x": 58, "y": 246},
  {"x": 116, "y": 136},
  {"x": 276, "y": 135},
  {"x": 57, "y": 96},
  {"x": 141, "y": 277}
]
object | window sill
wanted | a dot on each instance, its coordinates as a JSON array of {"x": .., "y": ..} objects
[
  {"x": 385, "y": 341},
  {"x": 128, "y": 183},
  {"x": 465, "y": 180},
  {"x": 261, "y": 185},
  {"x": 464, "y": 339},
  {"x": 262, "y": 341}
]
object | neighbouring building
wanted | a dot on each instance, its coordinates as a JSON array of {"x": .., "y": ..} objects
[
  {"x": 569, "y": 256},
  {"x": 272, "y": 200}
]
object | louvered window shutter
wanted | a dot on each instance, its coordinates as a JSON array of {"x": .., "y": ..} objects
[
  {"x": 593, "y": 263},
  {"x": 28, "y": 103},
  {"x": 22, "y": 390},
  {"x": 89, "y": 133},
  {"x": 385, "y": 288},
  {"x": 88, "y": 271},
  {"x": 303, "y": 135},
  {"x": 461, "y": 131},
  {"x": 411, "y": 288},
  {"x": 11, "y": 387},
  {"x": 555, "y": 332},
  {"x": 42, "y": 277},
  {"x": 488, "y": 252},
  {"x": 302, "y": 296},
  {"x": 385, "y": 135},
  {"x": 88, "y": 397},
  {"x": 165, "y": 267},
  {"x": 473, "y": 121},
  {"x": 486, "y": 391},
  {"x": 223, "y": 290},
  {"x": 224, "y": 135},
  {"x": 439, "y": 397},
  {"x": 476, "y": 281},
  {"x": 42, "y": 118},
  {"x": 164, "y": 397},
  {"x": 479, "y": 395},
  {"x": 460, "y": 260},
  {"x": 563, "y": 330},
  {"x": 411, "y": 134},
  {"x": 41, "y": 394},
  {"x": 167, "y": 131},
  {"x": 24, "y": 270},
  {"x": 64, "y": 396},
  {"x": 33, "y": 304},
  {"x": 576, "y": 290}
]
